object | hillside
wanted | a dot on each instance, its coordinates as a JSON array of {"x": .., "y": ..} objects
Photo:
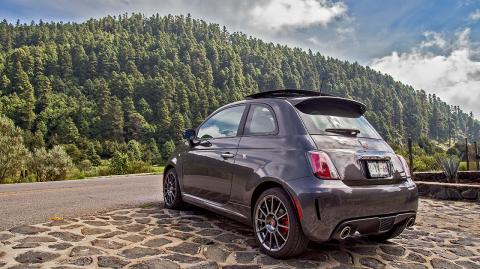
[{"x": 98, "y": 84}]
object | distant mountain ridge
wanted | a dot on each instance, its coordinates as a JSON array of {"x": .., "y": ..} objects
[{"x": 111, "y": 80}]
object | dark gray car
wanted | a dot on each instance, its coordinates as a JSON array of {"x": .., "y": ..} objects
[{"x": 297, "y": 166}]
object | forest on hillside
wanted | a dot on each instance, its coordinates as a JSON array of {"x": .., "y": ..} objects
[{"x": 131, "y": 84}]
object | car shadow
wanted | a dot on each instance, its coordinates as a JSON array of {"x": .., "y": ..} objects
[{"x": 349, "y": 253}]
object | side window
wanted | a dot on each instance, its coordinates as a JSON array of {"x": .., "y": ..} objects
[
  {"x": 223, "y": 124},
  {"x": 261, "y": 121}
]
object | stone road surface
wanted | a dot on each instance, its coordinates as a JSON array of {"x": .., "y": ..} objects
[{"x": 447, "y": 235}]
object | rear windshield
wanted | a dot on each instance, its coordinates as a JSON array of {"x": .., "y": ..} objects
[{"x": 320, "y": 116}]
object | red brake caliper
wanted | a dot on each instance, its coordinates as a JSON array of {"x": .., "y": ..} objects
[{"x": 284, "y": 222}]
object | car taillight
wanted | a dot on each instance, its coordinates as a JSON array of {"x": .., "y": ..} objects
[
  {"x": 322, "y": 165},
  {"x": 404, "y": 165}
]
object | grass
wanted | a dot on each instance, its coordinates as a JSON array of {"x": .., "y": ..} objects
[
  {"x": 158, "y": 169},
  {"x": 104, "y": 171}
]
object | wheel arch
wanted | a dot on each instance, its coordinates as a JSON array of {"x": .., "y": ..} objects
[
  {"x": 268, "y": 184},
  {"x": 167, "y": 168}
]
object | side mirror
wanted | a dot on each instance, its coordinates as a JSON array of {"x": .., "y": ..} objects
[{"x": 190, "y": 135}]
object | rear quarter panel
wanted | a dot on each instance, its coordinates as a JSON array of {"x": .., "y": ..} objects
[{"x": 276, "y": 158}]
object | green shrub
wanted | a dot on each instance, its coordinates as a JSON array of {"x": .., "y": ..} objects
[
  {"x": 85, "y": 165},
  {"x": 76, "y": 173},
  {"x": 12, "y": 151},
  {"x": 50, "y": 165},
  {"x": 424, "y": 163},
  {"x": 135, "y": 167},
  {"x": 92, "y": 155},
  {"x": 110, "y": 147},
  {"x": 102, "y": 170},
  {"x": 119, "y": 163},
  {"x": 419, "y": 165},
  {"x": 74, "y": 153}
]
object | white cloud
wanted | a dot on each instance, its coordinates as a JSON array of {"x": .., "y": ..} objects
[
  {"x": 433, "y": 39},
  {"x": 279, "y": 15},
  {"x": 475, "y": 15},
  {"x": 336, "y": 40},
  {"x": 452, "y": 73}
]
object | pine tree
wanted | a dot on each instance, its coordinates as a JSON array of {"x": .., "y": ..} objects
[
  {"x": 80, "y": 62},
  {"x": 43, "y": 92},
  {"x": 168, "y": 149},
  {"x": 134, "y": 150},
  {"x": 24, "y": 89},
  {"x": 151, "y": 153},
  {"x": 68, "y": 132}
]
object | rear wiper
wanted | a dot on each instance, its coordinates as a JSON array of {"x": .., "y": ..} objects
[{"x": 344, "y": 131}]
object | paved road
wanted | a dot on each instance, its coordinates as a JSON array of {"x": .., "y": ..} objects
[{"x": 31, "y": 203}]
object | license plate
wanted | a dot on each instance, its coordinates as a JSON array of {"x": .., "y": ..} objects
[{"x": 378, "y": 169}]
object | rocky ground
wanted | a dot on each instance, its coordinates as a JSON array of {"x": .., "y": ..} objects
[{"x": 447, "y": 235}]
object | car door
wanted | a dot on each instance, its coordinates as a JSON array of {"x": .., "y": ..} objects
[{"x": 210, "y": 163}]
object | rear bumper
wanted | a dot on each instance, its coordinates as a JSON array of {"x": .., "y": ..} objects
[
  {"x": 374, "y": 225},
  {"x": 329, "y": 205}
]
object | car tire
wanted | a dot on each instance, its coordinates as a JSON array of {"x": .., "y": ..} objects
[
  {"x": 394, "y": 232},
  {"x": 172, "y": 196},
  {"x": 276, "y": 225}
]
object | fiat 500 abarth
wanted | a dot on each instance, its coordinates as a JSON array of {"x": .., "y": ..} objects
[{"x": 296, "y": 166}]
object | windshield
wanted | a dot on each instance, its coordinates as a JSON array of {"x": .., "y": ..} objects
[{"x": 335, "y": 118}]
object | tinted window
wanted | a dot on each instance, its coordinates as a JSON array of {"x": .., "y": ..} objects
[
  {"x": 223, "y": 124},
  {"x": 321, "y": 115},
  {"x": 261, "y": 121},
  {"x": 318, "y": 124}
]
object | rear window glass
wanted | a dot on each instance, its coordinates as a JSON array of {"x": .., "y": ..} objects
[{"x": 320, "y": 116}]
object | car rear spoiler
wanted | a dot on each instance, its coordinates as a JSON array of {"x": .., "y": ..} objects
[
  {"x": 329, "y": 104},
  {"x": 286, "y": 93}
]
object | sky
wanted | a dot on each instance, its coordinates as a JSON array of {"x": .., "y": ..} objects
[{"x": 431, "y": 45}]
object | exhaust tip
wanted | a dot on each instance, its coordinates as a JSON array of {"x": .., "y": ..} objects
[
  {"x": 345, "y": 232},
  {"x": 410, "y": 222}
]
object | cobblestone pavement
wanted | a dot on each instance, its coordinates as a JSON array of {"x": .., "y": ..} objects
[{"x": 447, "y": 235}]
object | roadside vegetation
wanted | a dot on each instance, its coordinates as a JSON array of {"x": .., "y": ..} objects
[
  {"x": 429, "y": 155},
  {"x": 19, "y": 164}
]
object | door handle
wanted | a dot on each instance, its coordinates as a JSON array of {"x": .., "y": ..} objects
[
  {"x": 205, "y": 144},
  {"x": 227, "y": 155}
]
